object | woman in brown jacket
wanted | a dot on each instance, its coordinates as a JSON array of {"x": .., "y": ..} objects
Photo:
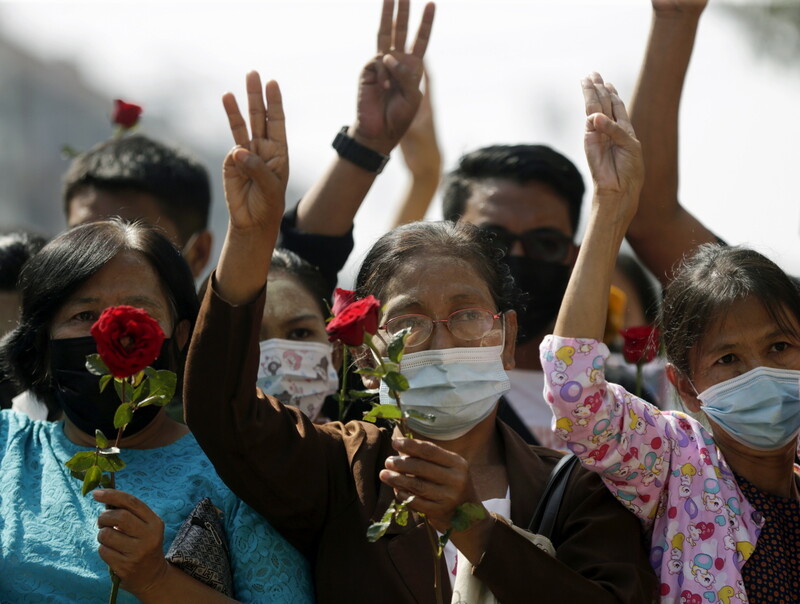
[{"x": 322, "y": 486}]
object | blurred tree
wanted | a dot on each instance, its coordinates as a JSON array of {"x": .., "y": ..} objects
[{"x": 774, "y": 26}]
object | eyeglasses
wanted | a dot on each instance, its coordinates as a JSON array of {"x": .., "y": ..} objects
[
  {"x": 466, "y": 324},
  {"x": 549, "y": 245}
]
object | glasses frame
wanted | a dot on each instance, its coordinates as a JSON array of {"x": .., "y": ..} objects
[{"x": 494, "y": 315}]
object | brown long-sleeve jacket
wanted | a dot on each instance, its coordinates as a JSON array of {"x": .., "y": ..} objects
[{"x": 319, "y": 486}]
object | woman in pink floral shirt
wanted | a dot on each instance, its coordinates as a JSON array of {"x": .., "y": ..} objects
[{"x": 723, "y": 509}]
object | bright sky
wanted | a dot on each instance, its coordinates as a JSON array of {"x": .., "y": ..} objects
[{"x": 502, "y": 72}]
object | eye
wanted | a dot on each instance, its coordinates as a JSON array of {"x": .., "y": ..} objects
[
  {"x": 726, "y": 360},
  {"x": 85, "y": 315},
  {"x": 300, "y": 333},
  {"x": 780, "y": 346}
]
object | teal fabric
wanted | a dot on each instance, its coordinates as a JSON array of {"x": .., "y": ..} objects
[{"x": 48, "y": 531}]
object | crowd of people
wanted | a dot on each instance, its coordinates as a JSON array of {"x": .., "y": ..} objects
[{"x": 516, "y": 397}]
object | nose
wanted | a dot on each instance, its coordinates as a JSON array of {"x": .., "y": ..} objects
[
  {"x": 441, "y": 337},
  {"x": 516, "y": 249}
]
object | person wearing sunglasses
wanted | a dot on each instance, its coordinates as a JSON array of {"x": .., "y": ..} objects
[{"x": 528, "y": 199}]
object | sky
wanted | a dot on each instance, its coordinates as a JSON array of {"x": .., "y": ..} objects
[{"x": 501, "y": 71}]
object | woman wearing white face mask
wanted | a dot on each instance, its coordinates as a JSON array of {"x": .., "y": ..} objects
[
  {"x": 723, "y": 508},
  {"x": 323, "y": 485},
  {"x": 296, "y": 362}
]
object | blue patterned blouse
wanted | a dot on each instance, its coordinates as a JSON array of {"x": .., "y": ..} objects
[{"x": 48, "y": 531}]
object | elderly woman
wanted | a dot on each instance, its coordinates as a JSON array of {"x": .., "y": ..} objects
[
  {"x": 48, "y": 530},
  {"x": 322, "y": 486}
]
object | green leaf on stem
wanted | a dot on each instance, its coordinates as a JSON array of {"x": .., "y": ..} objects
[
  {"x": 162, "y": 382},
  {"x": 397, "y": 345},
  {"x": 466, "y": 514},
  {"x": 396, "y": 381},
  {"x": 373, "y": 372},
  {"x": 124, "y": 389},
  {"x": 123, "y": 415},
  {"x": 82, "y": 461},
  {"x": 100, "y": 439},
  {"x": 105, "y": 380},
  {"x": 378, "y": 529},
  {"x": 383, "y": 412},
  {"x": 91, "y": 479},
  {"x": 425, "y": 417},
  {"x": 95, "y": 365},
  {"x": 110, "y": 462}
]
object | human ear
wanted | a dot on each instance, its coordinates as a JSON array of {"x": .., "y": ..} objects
[
  {"x": 181, "y": 334},
  {"x": 197, "y": 252},
  {"x": 510, "y": 347},
  {"x": 684, "y": 387}
]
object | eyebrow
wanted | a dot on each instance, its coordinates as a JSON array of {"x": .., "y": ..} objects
[
  {"x": 725, "y": 346},
  {"x": 404, "y": 306},
  {"x": 300, "y": 319},
  {"x": 140, "y": 301}
]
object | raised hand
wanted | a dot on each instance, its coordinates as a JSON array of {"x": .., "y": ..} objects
[
  {"x": 612, "y": 150},
  {"x": 256, "y": 171},
  {"x": 388, "y": 91}
]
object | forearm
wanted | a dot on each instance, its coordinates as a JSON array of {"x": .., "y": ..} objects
[
  {"x": 177, "y": 586},
  {"x": 662, "y": 231},
  {"x": 585, "y": 304},
  {"x": 244, "y": 263},
  {"x": 417, "y": 199},
  {"x": 332, "y": 203}
]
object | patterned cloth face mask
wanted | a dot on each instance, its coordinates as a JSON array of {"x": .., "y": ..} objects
[
  {"x": 458, "y": 387},
  {"x": 760, "y": 408},
  {"x": 297, "y": 373}
]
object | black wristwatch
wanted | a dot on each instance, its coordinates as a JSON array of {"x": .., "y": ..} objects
[{"x": 356, "y": 153}]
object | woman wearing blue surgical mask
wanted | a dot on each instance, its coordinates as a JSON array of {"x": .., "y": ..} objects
[
  {"x": 722, "y": 505},
  {"x": 323, "y": 485}
]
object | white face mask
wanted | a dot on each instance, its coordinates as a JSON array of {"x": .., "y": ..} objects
[
  {"x": 296, "y": 373},
  {"x": 460, "y": 387}
]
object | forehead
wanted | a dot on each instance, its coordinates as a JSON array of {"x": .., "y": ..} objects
[
  {"x": 745, "y": 322},
  {"x": 91, "y": 204},
  {"x": 288, "y": 298},
  {"x": 436, "y": 284},
  {"x": 517, "y": 207},
  {"x": 125, "y": 278}
]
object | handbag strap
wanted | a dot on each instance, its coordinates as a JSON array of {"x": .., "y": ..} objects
[{"x": 544, "y": 518}]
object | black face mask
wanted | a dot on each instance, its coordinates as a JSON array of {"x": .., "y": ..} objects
[
  {"x": 543, "y": 284},
  {"x": 78, "y": 392}
]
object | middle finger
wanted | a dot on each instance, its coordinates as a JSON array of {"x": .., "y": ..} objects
[{"x": 255, "y": 103}]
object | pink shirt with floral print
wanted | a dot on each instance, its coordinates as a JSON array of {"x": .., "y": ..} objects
[{"x": 663, "y": 466}]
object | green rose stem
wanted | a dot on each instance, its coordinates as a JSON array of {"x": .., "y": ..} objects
[{"x": 436, "y": 546}]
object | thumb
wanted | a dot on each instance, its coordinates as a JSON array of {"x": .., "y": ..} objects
[
  {"x": 407, "y": 76},
  {"x": 605, "y": 125}
]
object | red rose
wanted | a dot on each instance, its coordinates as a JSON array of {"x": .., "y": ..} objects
[
  {"x": 641, "y": 344},
  {"x": 128, "y": 339},
  {"x": 341, "y": 299},
  {"x": 125, "y": 115},
  {"x": 351, "y": 322}
]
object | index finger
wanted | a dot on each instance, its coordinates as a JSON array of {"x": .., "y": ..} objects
[
  {"x": 424, "y": 31},
  {"x": 590, "y": 98},
  {"x": 385, "y": 28},
  {"x": 425, "y": 450},
  {"x": 125, "y": 501}
]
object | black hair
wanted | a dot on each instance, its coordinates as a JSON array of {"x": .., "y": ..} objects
[
  {"x": 179, "y": 183},
  {"x": 66, "y": 263},
  {"x": 15, "y": 249},
  {"x": 517, "y": 163},
  {"x": 708, "y": 283},
  {"x": 456, "y": 239},
  {"x": 306, "y": 273},
  {"x": 644, "y": 284}
]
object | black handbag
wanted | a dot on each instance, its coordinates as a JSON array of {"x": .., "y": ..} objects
[
  {"x": 544, "y": 518},
  {"x": 200, "y": 549}
]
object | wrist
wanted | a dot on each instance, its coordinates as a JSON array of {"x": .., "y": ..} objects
[{"x": 380, "y": 145}]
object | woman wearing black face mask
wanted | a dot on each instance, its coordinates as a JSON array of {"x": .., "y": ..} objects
[{"x": 52, "y": 550}]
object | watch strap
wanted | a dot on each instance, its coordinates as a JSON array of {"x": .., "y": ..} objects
[{"x": 350, "y": 149}]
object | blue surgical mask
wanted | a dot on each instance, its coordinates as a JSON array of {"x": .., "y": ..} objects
[
  {"x": 760, "y": 408},
  {"x": 458, "y": 387}
]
